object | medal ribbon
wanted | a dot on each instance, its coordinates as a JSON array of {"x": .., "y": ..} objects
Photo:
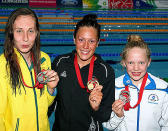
[
  {"x": 127, "y": 105},
  {"x": 38, "y": 85},
  {"x": 78, "y": 71}
]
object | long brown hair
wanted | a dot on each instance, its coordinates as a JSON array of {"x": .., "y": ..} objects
[{"x": 11, "y": 57}]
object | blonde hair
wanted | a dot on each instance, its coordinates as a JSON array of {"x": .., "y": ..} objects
[
  {"x": 132, "y": 44},
  {"x": 134, "y": 38}
]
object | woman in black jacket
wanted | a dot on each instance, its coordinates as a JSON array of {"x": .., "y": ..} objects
[{"x": 86, "y": 86}]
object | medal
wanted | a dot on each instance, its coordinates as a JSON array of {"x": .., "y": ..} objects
[
  {"x": 78, "y": 74},
  {"x": 38, "y": 79},
  {"x": 92, "y": 84},
  {"x": 124, "y": 96},
  {"x": 42, "y": 78}
]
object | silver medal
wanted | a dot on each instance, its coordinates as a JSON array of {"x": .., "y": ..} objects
[
  {"x": 124, "y": 96},
  {"x": 42, "y": 78}
]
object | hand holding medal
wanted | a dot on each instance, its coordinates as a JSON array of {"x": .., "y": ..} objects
[
  {"x": 95, "y": 97},
  {"x": 117, "y": 108},
  {"x": 125, "y": 95},
  {"x": 42, "y": 78},
  {"x": 49, "y": 77}
]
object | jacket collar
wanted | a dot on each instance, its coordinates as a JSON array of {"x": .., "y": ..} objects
[{"x": 150, "y": 84}]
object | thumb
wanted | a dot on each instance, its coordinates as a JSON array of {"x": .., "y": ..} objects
[{"x": 99, "y": 87}]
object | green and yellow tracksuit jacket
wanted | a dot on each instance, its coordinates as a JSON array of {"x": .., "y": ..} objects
[{"x": 27, "y": 109}]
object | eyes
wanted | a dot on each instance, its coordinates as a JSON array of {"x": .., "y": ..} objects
[
  {"x": 90, "y": 41},
  {"x": 30, "y": 31},
  {"x": 140, "y": 63}
]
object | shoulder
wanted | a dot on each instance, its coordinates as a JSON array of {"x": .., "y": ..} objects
[
  {"x": 44, "y": 55},
  {"x": 45, "y": 60},
  {"x": 105, "y": 67},
  {"x": 160, "y": 84},
  {"x": 62, "y": 59},
  {"x": 119, "y": 81},
  {"x": 3, "y": 66},
  {"x": 2, "y": 60}
]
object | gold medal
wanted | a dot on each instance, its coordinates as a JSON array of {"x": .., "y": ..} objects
[{"x": 92, "y": 84}]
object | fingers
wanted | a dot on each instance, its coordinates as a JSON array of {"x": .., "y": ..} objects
[
  {"x": 95, "y": 102},
  {"x": 51, "y": 75},
  {"x": 52, "y": 78},
  {"x": 95, "y": 97},
  {"x": 117, "y": 107},
  {"x": 118, "y": 104},
  {"x": 98, "y": 88}
]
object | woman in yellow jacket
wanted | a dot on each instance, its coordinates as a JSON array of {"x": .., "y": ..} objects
[{"x": 27, "y": 83}]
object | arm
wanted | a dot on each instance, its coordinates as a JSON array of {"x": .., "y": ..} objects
[
  {"x": 95, "y": 97},
  {"x": 113, "y": 122},
  {"x": 116, "y": 117},
  {"x": 51, "y": 75},
  {"x": 3, "y": 95},
  {"x": 164, "y": 118},
  {"x": 3, "y": 100},
  {"x": 108, "y": 90},
  {"x": 53, "y": 80},
  {"x": 52, "y": 107}
]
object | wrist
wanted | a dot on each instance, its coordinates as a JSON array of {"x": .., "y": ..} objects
[{"x": 51, "y": 90}]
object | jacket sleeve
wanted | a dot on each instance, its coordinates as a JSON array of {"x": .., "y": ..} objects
[
  {"x": 52, "y": 107},
  {"x": 105, "y": 108},
  {"x": 164, "y": 118},
  {"x": 3, "y": 97},
  {"x": 3, "y": 100},
  {"x": 113, "y": 122},
  {"x": 47, "y": 65}
]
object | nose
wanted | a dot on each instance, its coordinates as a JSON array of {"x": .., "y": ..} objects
[
  {"x": 136, "y": 67},
  {"x": 86, "y": 45},
  {"x": 25, "y": 37}
]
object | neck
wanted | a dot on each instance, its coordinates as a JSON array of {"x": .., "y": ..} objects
[
  {"x": 136, "y": 83},
  {"x": 27, "y": 57},
  {"x": 83, "y": 63}
]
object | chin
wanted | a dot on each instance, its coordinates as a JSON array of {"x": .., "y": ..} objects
[
  {"x": 136, "y": 78},
  {"x": 25, "y": 51}
]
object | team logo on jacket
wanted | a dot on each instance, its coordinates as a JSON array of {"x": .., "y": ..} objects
[
  {"x": 63, "y": 74},
  {"x": 153, "y": 98}
]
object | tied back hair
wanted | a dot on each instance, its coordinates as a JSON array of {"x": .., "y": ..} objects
[
  {"x": 89, "y": 20},
  {"x": 134, "y": 37},
  {"x": 10, "y": 55}
]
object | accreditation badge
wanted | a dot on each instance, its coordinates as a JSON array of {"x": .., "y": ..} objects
[{"x": 92, "y": 84}]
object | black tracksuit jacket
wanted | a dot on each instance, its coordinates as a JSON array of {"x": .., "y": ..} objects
[{"x": 73, "y": 110}]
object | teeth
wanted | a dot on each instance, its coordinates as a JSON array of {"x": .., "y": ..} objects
[
  {"x": 84, "y": 52},
  {"x": 136, "y": 74}
]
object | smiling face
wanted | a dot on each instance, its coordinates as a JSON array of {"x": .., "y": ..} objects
[
  {"x": 136, "y": 64},
  {"x": 24, "y": 31},
  {"x": 86, "y": 42}
]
